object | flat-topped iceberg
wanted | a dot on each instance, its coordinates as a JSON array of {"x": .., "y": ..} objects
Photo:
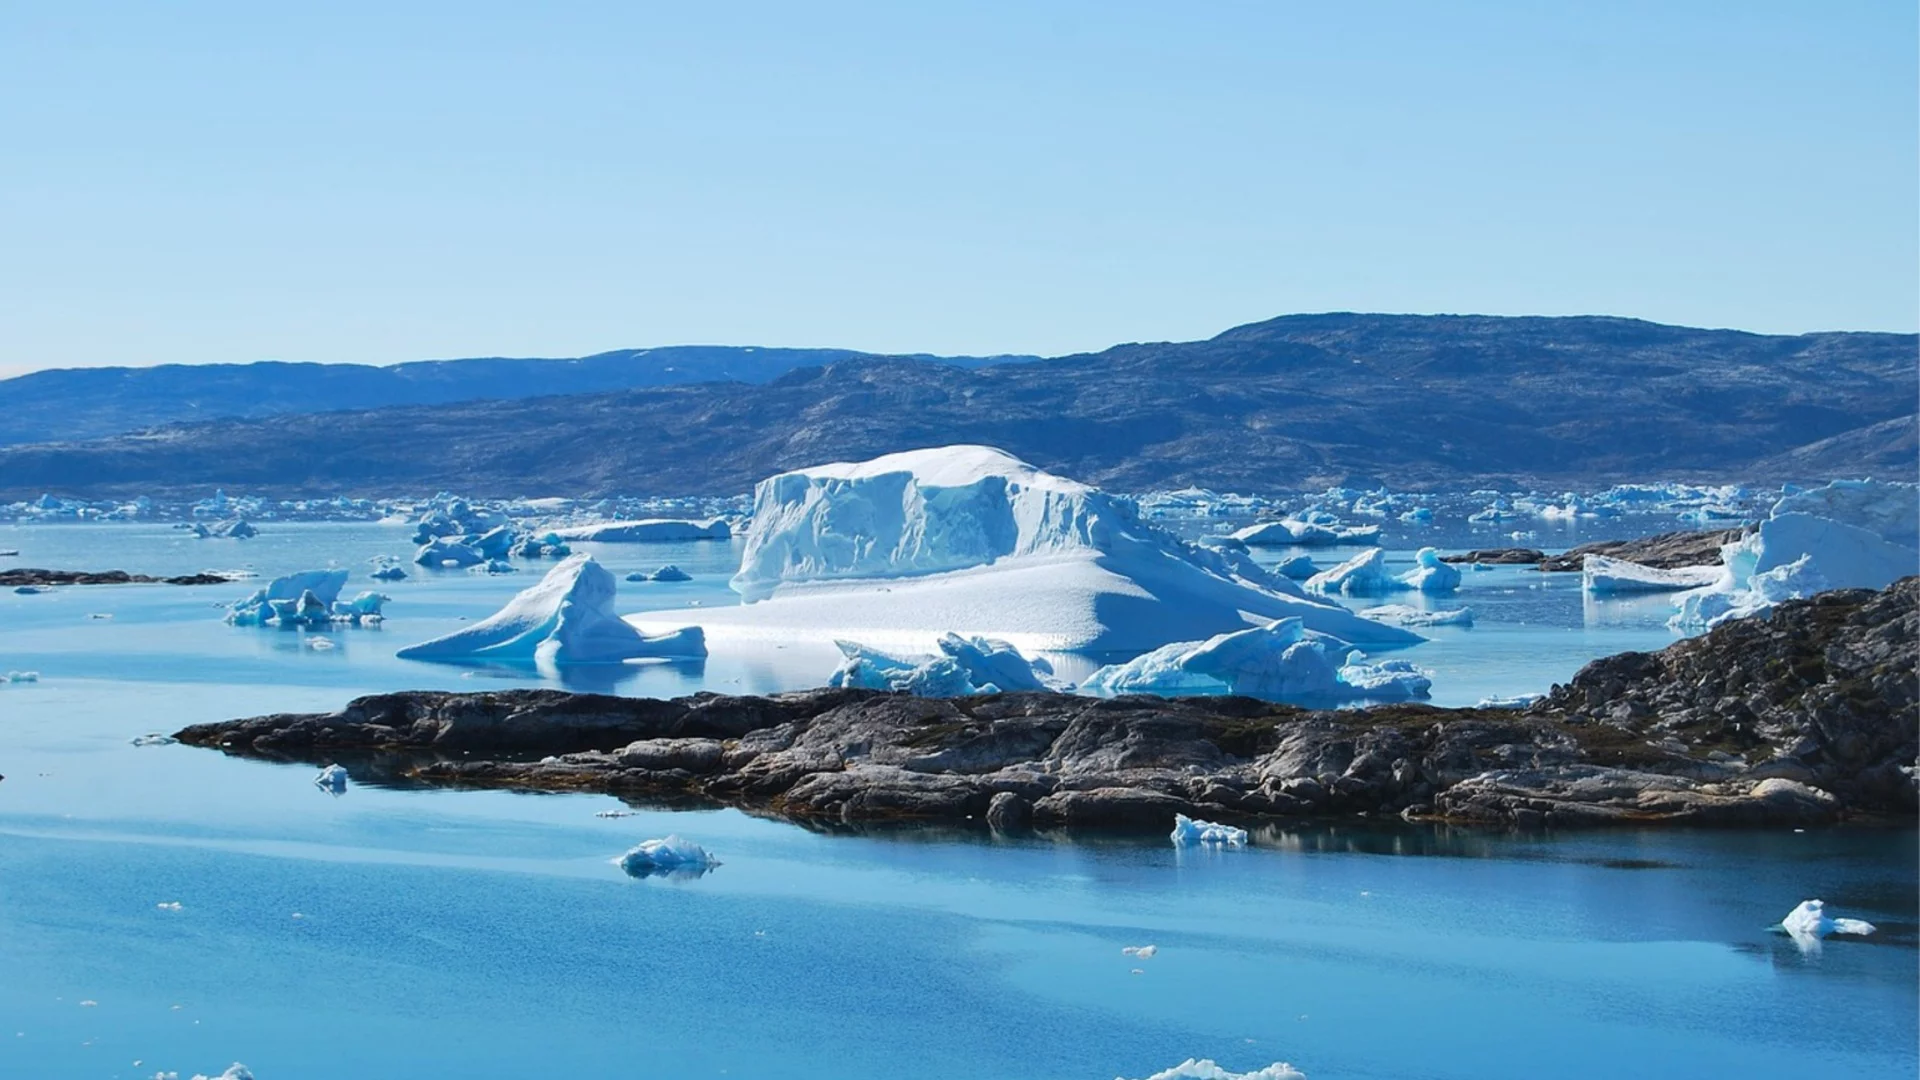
[
  {"x": 1850, "y": 534},
  {"x": 1283, "y": 661},
  {"x": 1402, "y": 615},
  {"x": 648, "y": 531},
  {"x": 1317, "y": 530},
  {"x": 964, "y": 666},
  {"x": 568, "y": 618},
  {"x": 1602, "y": 575},
  {"x": 894, "y": 551}
]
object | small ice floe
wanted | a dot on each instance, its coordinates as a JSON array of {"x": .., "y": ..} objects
[
  {"x": 1189, "y": 832},
  {"x": 1517, "y": 701},
  {"x": 235, "y": 1071},
  {"x": 30, "y": 590},
  {"x": 1144, "y": 952},
  {"x": 332, "y": 778},
  {"x": 1206, "y": 1069},
  {"x": 1811, "y": 920},
  {"x": 319, "y": 644},
  {"x": 615, "y": 813},
  {"x": 671, "y": 855},
  {"x": 20, "y": 677},
  {"x": 1402, "y": 615},
  {"x": 154, "y": 738},
  {"x": 389, "y": 573},
  {"x": 168, "y": 905}
]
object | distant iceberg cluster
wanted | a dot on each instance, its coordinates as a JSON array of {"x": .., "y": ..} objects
[
  {"x": 453, "y": 533},
  {"x": 310, "y": 599},
  {"x": 1848, "y": 534}
]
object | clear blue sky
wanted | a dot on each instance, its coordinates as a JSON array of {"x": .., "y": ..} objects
[{"x": 230, "y": 182}]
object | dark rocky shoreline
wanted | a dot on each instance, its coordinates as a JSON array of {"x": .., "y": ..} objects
[
  {"x": 32, "y": 576},
  {"x": 1666, "y": 551},
  {"x": 1808, "y": 715}
]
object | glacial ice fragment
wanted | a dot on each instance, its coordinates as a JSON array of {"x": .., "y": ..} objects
[{"x": 1192, "y": 832}]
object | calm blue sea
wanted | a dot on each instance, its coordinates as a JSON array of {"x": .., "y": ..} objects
[{"x": 389, "y": 932}]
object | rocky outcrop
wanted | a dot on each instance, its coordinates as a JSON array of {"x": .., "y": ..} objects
[
  {"x": 1806, "y": 715},
  {"x": 28, "y": 576},
  {"x": 1666, "y": 551}
]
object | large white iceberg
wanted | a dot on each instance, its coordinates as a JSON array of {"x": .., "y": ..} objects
[
  {"x": 1602, "y": 575},
  {"x": 648, "y": 531},
  {"x": 305, "y": 597},
  {"x": 893, "y": 551},
  {"x": 1283, "y": 661},
  {"x": 568, "y": 618},
  {"x": 1855, "y": 534},
  {"x": 965, "y": 666}
]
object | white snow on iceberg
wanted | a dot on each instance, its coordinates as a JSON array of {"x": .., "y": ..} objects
[
  {"x": 648, "y": 531},
  {"x": 1800, "y": 550},
  {"x": 568, "y": 618},
  {"x": 891, "y": 552},
  {"x": 1205, "y": 1069},
  {"x": 1282, "y": 661},
  {"x": 1402, "y": 615},
  {"x": 1811, "y": 919},
  {"x": 1363, "y": 575},
  {"x": 1429, "y": 574},
  {"x": 1605, "y": 576},
  {"x": 966, "y": 666}
]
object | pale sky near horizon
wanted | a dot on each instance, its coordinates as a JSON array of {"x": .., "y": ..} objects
[{"x": 232, "y": 182}]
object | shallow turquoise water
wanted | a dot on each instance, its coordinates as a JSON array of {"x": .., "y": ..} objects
[{"x": 488, "y": 934}]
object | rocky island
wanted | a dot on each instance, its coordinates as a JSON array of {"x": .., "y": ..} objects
[{"x": 1804, "y": 715}]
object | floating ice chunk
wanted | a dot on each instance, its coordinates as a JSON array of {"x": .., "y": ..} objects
[
  {"x": 966, "y": 666},
  {"x": 332, "y": 778},
  {"x": 1205, "y": 1069},
  {"x": 1811, "y": 918},
  {"x": 971, "y": 539},
  {"x": 168, "y": 905},
  {"x": 1363, "y": 575},
  {"x": 669, "y": 854},
  {"x": 1191, "y": 832},
  {"x": 1604, "y": 576},
  {"x": 30, "y": 590},
  {"x": 1429, "y": 574},
  {"x": 235, "y": 1071},
  {"x": 544, "y": 546},
  {"x": 1298, "y": 568},
  {"x": 648, "y": 531},
  {"x": 306, "y": 597},
  {"x": 568, "y": 618},
  {"x": 389, "y": 573},
  {"x": 496, "y": 566},
  {"x": 1418, "y": 516},
  {"x": 1402, "y": 615},
  {"x": 496, "y": 543},
  {"x": 444, "y": 553},
  {"x": 237, "y": 529},
  {"x": 153, "y": 738},
  {"x": 1144, "y": 952},
  {"x": 20, "y": 677},
  {"x": 1294, "y": 532},
  {"x": 1517, "y": 701},
  {"x": 1283, "y": 661}
]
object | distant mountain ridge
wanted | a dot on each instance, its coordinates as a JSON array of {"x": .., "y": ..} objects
[
  {"x": 88, "y": 403},
  {"x": 1290, "y": 403}
]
